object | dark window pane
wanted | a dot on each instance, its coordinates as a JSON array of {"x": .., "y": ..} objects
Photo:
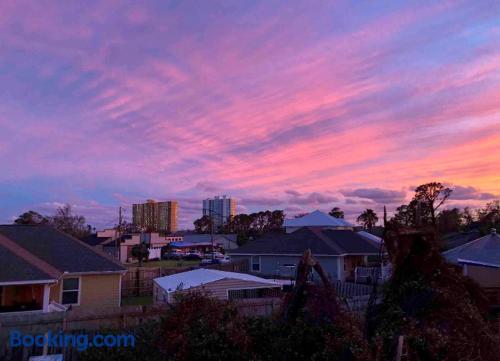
[
  {"x": 70, "y": 284},
  {"x": 255, "y": 267},
  {"x": 69, "y": 297}
]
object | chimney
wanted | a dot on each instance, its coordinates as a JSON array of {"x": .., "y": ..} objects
[{"x": 493, "y": 231}]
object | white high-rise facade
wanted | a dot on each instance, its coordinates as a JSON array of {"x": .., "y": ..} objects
[{"x": 220, "y": 209}]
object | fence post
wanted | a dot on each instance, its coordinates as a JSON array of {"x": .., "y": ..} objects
[
  {"x": 399, "y": 351},
  {"x": 137, "y": 281}
]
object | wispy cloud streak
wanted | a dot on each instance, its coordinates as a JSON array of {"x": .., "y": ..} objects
[{"x": 186, "y": 99}]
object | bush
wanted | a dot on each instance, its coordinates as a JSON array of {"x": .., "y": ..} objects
[
  {"x": 441, "y": 313},
  {"x": 146, "y": 337}
]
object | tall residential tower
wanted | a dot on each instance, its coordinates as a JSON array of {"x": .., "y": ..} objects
[
  {"x": 220, "y": 209},
  {"x": 155, "y": 216}
]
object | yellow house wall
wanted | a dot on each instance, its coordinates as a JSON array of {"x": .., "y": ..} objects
[{"x": 95, "y": 290}]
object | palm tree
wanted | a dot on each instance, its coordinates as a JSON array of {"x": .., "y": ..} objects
[{"x": 368, "y": 219}]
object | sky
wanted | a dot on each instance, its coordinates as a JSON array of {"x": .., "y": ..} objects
[{"x": 292, "y": 105}]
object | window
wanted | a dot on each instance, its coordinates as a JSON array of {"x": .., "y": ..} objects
[
  {"x": 70, "y": 294},
  {"x": 256, "y": 263}
]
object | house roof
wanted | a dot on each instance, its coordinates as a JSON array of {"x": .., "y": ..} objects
[
  {"x": 317, "y": 219},
  {"x": 194, "y": 240},
  {"x": 455, "y": 239},
  {"x": 370, "y": 236},
  {"x": 17, "y": 269},
  {"x": 202, "y": 238},
  {"x": 329, "y": 242},
  {"x": 184, "y": 244},
  {"x": 482, "y": 251},
  {"x": 49, "y": 249},
  {"x": 94, "y": 240},
  {"x": 202, "y": 276}
]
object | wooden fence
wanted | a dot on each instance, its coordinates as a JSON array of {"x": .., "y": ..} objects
[
  {"x": 261, "y": 307},
  {"x": 349, "y": 289},
  {"x": 74, "y": 322},
  {"x": 138, "y": 281},
  {"x": 89, "y": 323}
]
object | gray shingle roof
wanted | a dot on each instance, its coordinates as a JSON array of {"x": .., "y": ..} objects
[
  {"x": 58, "y": 249},
  {"x": 319, "y": 241},
  {"x": 15, "y": 268},
  {"x": 201, "y": 238},
  {"x": 484, "y": 250},
  {"x": 93, "y": 240}
]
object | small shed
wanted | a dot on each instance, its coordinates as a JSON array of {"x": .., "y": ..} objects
[{"x": 219, "y": 284}]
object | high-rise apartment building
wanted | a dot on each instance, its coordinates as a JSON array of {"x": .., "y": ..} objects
[
  {"x": 155, "y": 216},
  {"x": 220, "y": 209}
]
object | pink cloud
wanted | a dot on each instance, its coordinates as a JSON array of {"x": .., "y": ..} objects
[{"x": 141, "y": 100}]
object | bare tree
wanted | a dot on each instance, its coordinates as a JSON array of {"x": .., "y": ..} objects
[{"x": 66, "y": 221}]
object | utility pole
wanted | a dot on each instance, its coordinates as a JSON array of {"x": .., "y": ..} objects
[
  {"x": 212, "y": 238},
  {"x": 212, "y": 226},
  {"x": 119, "y": 233}
]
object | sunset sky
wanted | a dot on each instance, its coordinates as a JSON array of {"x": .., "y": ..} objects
[{"x": 281, "y": 104}]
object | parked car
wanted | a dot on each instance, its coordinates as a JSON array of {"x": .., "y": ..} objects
[
  {"x": 174, "y": 255},
  {"x": 193, "y": 255},
  {"x": 217, "y": 255},
  {"x": 209, "y": 261}
]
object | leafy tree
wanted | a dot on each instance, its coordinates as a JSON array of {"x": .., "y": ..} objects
[
  {"x": 405, "y": 215},
  {"x": 449, "y": 220},
  {"x": 368, "y": 219},
  {"x": 336, "y": 212},
  {"x": 300, "y": 215},
  {"x": 250, "y": 225},
  {"x": 31, "y": 217},
  {"x": 468, "y": 217},
  {"x": 432, "y": 195},
  {"x": 141, "y": 252},
  {"x": 489, "y": 216},
  {"x": 203, "y": 224},
  {"x": 276, "y": 220}
]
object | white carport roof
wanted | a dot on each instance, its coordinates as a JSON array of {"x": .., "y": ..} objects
[{"x": 201, "y": 276}]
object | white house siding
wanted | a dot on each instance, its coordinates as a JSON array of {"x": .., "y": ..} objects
[
  {"x": 217, "y": 289},
  {"x": 274, "y": 266}
]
